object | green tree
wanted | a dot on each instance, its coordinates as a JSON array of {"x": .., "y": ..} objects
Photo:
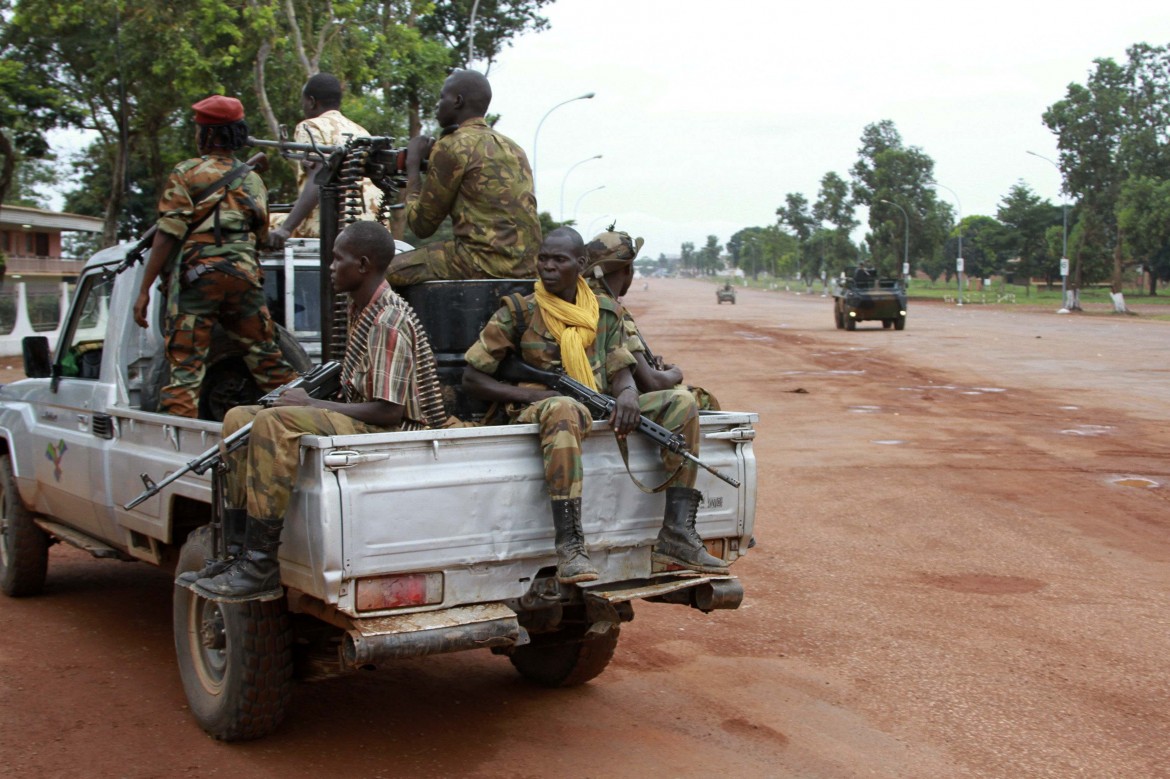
[
  {"x": 797, "y": 216},
  {"x": 1144, "y": 216},
  {"x": 886, "y": 169},
  {"x": 1027, "y": 219},
  {"x": 834, "y": 207}
]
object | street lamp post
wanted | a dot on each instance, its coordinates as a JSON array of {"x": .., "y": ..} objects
[
  {"x": 1064, "y": 237},
  {"x": 566, "y": 178},
  {"x": 582, "y": 197},
  {"x": 536, "y": 136},
  {"x": 906, "y": 243},
  {"x": 959, "y": 262}
]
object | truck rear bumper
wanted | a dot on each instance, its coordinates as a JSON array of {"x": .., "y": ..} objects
[{"x": 378, "y": 639}]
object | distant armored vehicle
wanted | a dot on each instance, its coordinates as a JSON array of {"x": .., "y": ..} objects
[{"x": 859, "y": 296}]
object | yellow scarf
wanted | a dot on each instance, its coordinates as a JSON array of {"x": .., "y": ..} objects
[{"x": 574, "y": 325}]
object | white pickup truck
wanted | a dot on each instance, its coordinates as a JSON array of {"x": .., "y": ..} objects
[{"x": 396, "y": 545}]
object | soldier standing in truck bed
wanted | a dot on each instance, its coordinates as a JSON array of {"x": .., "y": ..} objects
[
  {"x": 217, "y": 278},
  {"x": 482, "y": 180}
]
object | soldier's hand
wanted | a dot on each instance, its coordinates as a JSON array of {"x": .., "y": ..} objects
[
  {"x": 295, "y": 396},
  {"x": 626, "y": 413},
  {"x": 417, "y": 150},
  {"x": 140, "y": 307},
  {"x": 277, "y": 238}
]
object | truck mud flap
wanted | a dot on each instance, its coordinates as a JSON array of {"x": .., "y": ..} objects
[
  {"x": 379, "y": 639},
  {"x": 704, "y": 592}
]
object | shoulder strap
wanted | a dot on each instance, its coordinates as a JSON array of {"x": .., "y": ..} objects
[{"x": 516, "y": 304}]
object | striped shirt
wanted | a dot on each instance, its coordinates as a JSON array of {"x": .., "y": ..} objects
[{"x": 388, "y": 357}]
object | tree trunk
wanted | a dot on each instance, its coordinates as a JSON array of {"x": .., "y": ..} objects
[
  {"x": 1153, "y": 282},
  {"x": 7, "y": 167},
  {"x": 258, "y": 69},
  {"x": 114, "y": 200}
]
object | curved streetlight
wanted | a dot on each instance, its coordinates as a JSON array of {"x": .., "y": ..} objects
[
  {"x": 582, "y": 197},
  {"x": 536, "y": 136},
  {"x": 566, "y": 177},
  {"x": 906, "y": 243},
  {"x": 1064, "y": 235},
  {"x": 589, "y": 232},
  {"x": 471, "y": 34},
  {"x": 958, "y": 269}
]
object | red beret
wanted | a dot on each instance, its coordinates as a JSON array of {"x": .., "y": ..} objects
[{"x": 218, "y": 109}]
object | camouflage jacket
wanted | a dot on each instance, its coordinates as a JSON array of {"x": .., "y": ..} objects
[
  {"x": 633, "y": 339},
  {"x": 607, "y": 354},
  {"x": 483, "y": 181},
  {"x": 331, "y": 129},
  {"x": 242, "y": 213}
]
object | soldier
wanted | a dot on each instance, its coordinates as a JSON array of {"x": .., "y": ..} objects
[
  {"x": 482, "y": 180},
  {"x": 558, "y": 326},
  {"x": 217, "y": 278},
  {"x": 324, "y": 125},
  {"x": 610, "y": 271},
  {"x": 389, "y": 380}
]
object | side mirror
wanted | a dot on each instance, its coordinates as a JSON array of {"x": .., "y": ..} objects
[{"x": 38, "y": 363}]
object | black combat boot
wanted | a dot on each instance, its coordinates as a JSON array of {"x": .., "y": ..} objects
[
  {"x": 573, "y": 564},
  {"x": 255, "y": 574},
  {"x": 233, "y": 524},
  {"x": 678, "y": 542}
]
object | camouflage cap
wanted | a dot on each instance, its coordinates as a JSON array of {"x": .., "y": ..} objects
[{"x": 611, "y": 249}]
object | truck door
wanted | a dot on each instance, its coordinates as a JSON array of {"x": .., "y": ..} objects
[{"x": 69, "y": 438}]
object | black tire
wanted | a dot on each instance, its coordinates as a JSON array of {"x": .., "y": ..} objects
[
  {"x": 900, "y": 322},
  {"x": 887, "y": 324},
  {"x": 837, "y": 319},
  {"x": 850, "y": 322},
  {"x": 24, "y": 547},
  {"x": 235, "y": 658},
  {"x": 555, "y": 660}
]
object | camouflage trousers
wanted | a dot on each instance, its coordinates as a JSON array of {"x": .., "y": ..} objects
[
  {"x": 439, "y": 261},
  {"x": 564, "y": 423},
  {"x": 262, "y": 475},
  {"x": 239, "y": 307},
  {"x": 705, "y": 400}
]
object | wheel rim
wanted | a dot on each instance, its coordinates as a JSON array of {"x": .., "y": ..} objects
[{"x": 207, "y": 638}]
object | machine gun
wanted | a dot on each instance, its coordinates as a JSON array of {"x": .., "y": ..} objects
[
  {"x": 321, "y": 382},
  {"x": 257, "y": 162},
  {"x": 601, "y": 405}
]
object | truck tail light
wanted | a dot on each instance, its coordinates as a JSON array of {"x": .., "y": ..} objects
[{"x": 399, "y": 591}]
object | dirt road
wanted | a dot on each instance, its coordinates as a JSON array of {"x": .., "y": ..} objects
[{"x": 961, "y": 572}]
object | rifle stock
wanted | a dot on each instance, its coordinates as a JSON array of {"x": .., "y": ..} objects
[
  {"x": 516, "y": 370},
  {"x": 321, "y": 382}
]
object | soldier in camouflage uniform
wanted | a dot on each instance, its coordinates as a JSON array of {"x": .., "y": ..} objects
[
  {"x": 217, "y": 277},
  {"x": 610, "y": 271},
  {"x": 324, "y": 125},
  {"x": 389, "y": 380},
  {"x": 483, "y": 181},
  {"x": 563, "y": 325}
]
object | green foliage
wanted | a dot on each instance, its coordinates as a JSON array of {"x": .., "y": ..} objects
[{"x": 129, "y": 69}]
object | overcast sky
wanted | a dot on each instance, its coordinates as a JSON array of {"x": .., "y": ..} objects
[{"x": 708, "y": 113}]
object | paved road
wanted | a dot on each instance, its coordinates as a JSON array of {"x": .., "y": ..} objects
[{"x": 962, "y": 571}]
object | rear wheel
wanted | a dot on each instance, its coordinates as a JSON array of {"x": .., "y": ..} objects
[
  {"x": 24, "y": 547},
  {"x": 235, "y": 658},
  {"x": 887, "y": 324},
  {"x": 561, "y": 660},
  {"x": 837, "y": 317}
]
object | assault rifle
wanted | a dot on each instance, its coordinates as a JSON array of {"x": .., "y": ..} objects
[
  {"x": 601, "y": 405},
  {"x": 257, "y": 162},
  {"x": 321, "y": 382}
]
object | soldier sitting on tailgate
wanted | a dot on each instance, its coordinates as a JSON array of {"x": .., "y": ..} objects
[{"x": 610, "y": 271}]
